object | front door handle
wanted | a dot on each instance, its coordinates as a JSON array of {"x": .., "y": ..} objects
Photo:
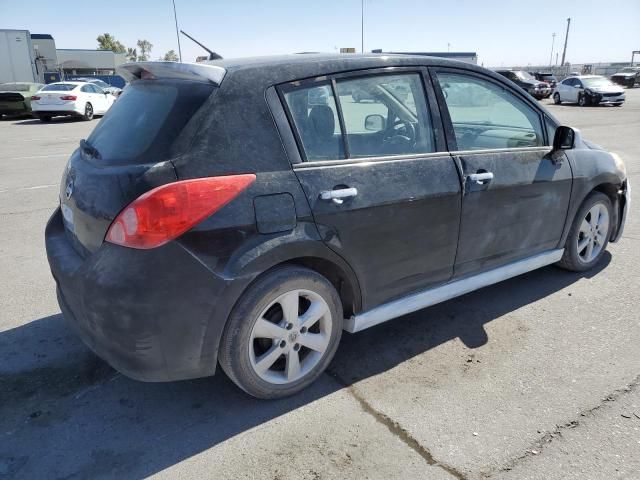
[
  {"x": 337, "y": 196},
  {"x": 481, "y": 178}
]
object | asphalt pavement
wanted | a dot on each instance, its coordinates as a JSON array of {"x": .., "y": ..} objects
[{"x": 533, "y": 378}]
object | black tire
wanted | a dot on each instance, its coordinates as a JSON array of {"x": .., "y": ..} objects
[
  {"x": 617, "y": 104},
  {"x": 556, "y": 98},
  {"x": 234, "y": 353},
  {"x": 45, "y": 119},
  {"x": 88, "y": 112},
  {"x": 571, "y": 259},
  {"x": 583, "y": 101}
]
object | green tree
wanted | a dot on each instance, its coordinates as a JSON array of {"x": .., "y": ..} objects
[
  {"x": 107, "y": 42},
  {"x": 144, "y": 46},
  {"x": 170, "y": 56},
  {"x": 132, "y": 54}
]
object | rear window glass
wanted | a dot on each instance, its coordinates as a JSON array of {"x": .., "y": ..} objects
[
  {"x": 143, "y": 123},
  {"x": 59, "y": 87}
]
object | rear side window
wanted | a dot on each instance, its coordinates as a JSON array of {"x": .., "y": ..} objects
[
  {"x": 315, "y": 116},
  {"x": 488, "y": 116},
  {"x": 372, "y": 116},
  {"x": 147, "y": 118}
]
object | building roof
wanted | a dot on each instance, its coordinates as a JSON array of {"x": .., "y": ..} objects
[{"x": 41, "y": 36}]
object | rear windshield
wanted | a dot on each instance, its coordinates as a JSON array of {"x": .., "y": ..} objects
[
  {"x": 59, "y": 87},
  {"x": 144, "y": 122}
]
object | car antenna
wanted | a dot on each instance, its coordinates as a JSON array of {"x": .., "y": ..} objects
[{"x": 212, "y": 55}]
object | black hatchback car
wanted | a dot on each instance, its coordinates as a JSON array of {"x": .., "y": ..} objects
[{"x": 216, "y": 215}]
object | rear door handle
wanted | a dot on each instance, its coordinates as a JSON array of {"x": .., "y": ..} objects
[
  {"x": 481, "y": 178},
  {"x": 337, "y": 196}
]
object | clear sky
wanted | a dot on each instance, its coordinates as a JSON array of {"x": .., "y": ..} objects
[{"x": 501, "y": 32}]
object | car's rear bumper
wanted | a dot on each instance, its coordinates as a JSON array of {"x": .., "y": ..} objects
[
  {"x": 154, "y": 315},
  {"x": 53, "y": 110},
  {"x": 12, "y": 108}
]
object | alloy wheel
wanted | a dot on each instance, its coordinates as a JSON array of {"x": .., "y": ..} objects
[
  {"x": 592, "y": 234},
  {"x": 290, "y": 337}
]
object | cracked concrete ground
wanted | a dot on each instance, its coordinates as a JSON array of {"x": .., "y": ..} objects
[{"x": 534, "y": 378}]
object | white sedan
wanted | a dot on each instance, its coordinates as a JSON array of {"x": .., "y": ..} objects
[
  {"x": 588, "y": 90},
  {"x": 80, "y": 99}
]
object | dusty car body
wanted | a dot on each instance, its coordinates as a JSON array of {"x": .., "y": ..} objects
[{"x": 240, "y": 223}]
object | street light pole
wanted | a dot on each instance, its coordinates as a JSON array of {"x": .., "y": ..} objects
[
  {"x": 175, "y": 17},
  {"x": 566, "y": 38},
  {"x": 553, "y": 41},
  {"x": 362, "y": 26}
]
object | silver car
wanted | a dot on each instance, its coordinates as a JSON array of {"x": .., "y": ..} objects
[{"x": 588, "y": 90}]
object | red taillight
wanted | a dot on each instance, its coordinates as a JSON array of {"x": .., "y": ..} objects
[
  {"x": 35, "y": 97},
  {"x": 164, "y": 213},
  {"x": 68, "y": 97}
]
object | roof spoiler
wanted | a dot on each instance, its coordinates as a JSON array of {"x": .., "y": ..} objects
[{"x": 172, "y": 70}]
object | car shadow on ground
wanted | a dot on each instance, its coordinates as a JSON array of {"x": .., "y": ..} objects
[
  {"x": 36, "y": 121},
  {"x": 65, "y": 413}
]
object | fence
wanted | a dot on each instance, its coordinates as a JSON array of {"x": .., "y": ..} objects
[{"x": 113, "y": 80}]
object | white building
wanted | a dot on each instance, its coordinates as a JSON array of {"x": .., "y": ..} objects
[{"x": 89, "y": 62}]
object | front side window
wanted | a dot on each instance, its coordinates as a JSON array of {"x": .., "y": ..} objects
[{"x": 488, "y": 116}]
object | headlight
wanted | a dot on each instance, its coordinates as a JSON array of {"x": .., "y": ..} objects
[{"x": 619, "y": 163}]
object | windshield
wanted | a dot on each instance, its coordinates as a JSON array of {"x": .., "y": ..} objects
[
  {"x": 524, "y": 75},
  {"x": 14, "y": 87},
  {"x": 596, "y": 82},
  {"x": 59, "y": 87},
  {"x": 100, "y": 83}
]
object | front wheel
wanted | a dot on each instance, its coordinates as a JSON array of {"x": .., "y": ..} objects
[
  {"x": 556, "y": 98},
  {"x": 582, "y": 100},
  {"x": 88, "y": 112},
  {"x": 589, "y": 234},
  {"x": 282, "y": 334}
]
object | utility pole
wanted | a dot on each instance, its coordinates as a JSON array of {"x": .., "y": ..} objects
[
  {"x": 553, "y": 41},
  {"x": 175, "y": 17},
  {"x": 362, "y": 26},
  {"x": 556, "y": 59},
  {"x": 448, "y": 47},
  {"x": 566, "y": 37}
]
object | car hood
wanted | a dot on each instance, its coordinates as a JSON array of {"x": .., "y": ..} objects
[{"x": 607, "y": 89}]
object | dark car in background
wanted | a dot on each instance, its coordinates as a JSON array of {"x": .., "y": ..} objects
[
  {"x": 15, "y": 97},
  {"x": 627, "y": 77},
  {"x": 217, "y": 214},
  {"x": 548, "y": 78},
  {"x": 528, "y": 83}
]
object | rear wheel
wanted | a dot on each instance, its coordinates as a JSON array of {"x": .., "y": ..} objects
[
  {"x": 556, "y": 98},
  {"x": 282, "y": 334},
  {"x": 589, "y": 234},
  {"x": 88, "y": 112}
]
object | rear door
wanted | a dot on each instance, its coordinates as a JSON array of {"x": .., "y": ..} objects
[
  {"x": 516, "y": 195},
  {"x": 384, "y": 192}
]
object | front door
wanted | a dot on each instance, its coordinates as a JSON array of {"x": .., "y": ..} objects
[
  {"x": 384, "y": 193},
  {"x": 516, "y": 196}
]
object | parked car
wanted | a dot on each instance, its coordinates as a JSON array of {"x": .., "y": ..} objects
[
  {"x": 214, "y": 217},
  {"x": 365, "y": 92},
  {"x": 528, "y": 83},
  {"x": 548, "y": 78},
  {"x": 15, "y": 97},
  {"x": 79, "y": 99},
  {"x": 628, "y": 76},
  {"x": 588, "y": 90},
  {"x": 115, "y": 91}
]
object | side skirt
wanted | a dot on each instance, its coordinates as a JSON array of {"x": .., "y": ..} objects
[{"x": 431, "y": 296}]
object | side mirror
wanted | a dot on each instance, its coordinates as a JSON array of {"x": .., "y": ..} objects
[
  {"x": 564, "y": 139},
  {"x": 374, "y": 123}
]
